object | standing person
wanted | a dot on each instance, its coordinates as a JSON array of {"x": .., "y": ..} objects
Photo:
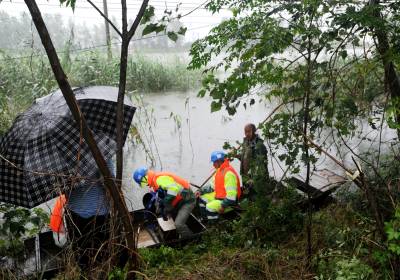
[
  {"x": 87, "y": 219},
  {"x": 224, "y": 190},
  {"x": 175, "y": 193},
  {"x": 253, "y": 156}
]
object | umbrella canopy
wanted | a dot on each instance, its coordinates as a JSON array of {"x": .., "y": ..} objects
[{"x": 44, "y": 150}]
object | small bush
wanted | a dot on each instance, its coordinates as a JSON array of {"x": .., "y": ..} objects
[
  {"x": 340, "y": 268},
  {"x": 392, "y": 229},
  {"x": 267, "y": 221},
  {"x": 19, "y": 223}
]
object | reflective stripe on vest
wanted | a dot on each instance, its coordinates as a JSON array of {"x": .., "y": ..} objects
[
  {"x": 152, "y": 179},
  {"x": 219, "y": 181}
]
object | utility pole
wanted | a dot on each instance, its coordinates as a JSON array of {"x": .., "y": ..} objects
[{"x": 108, "y": 38}]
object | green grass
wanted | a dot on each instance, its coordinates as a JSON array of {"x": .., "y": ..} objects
[
  {"x": 145, "y": 73},
  {"x": 24, "y": 79}
]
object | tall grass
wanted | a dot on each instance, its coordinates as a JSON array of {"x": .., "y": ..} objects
[
  {"x": 145, "y": 73},
  {"x": 21, "y": 82},
  {"x": 24, "y": 79}
]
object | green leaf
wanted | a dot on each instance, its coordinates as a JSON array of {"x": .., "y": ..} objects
[
  {"x": 149, "y": 29},
  {"x": 17, "y": 229},
  {"x": 397, "y": 214},
  {"x": 148, "y": 14},
  {"x": 36, "y": 221},
  {"x": 215, "y": 106},
  {"x": 231, "y": 110},
  {"x": 160, "y": 28},
  {"x": 202, "y": 93},
  {"x": 182, "y": 31},
  {"x": 235, "y": 11},
  {"x": 70, "y": 3},
  {"x": 172, "y": 35}
]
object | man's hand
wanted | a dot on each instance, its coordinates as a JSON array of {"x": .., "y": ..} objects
[
  {"x": 197, "y": 194},
  {"x": 222, "y": 210}
]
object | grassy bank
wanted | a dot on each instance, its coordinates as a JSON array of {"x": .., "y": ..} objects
[
  {"x": 269, "y": 241},
  {"x": 343, "y": 248}
]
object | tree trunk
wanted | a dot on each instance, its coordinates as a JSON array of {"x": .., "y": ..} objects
[
  {"x": 107, "y": 27},
  {"x": 67, "y": 92},
  {"x": 392, "y": 80},
  {"x": 362, "y": 184},
  {"x": 126, "y": 36},
  {"x": 121, "y": 91},
  {"x": 391, "y": 77}
]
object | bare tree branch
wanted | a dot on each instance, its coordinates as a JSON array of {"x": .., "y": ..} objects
[
  {"x": 194, "y": 9},
  {"x": 383, "y": 48},
  {"x": 138, "y": 18},
  {"x": 278, "y": 107},
  {"x": 105, "y": 17},
  {"x": 319, "y": 148}
]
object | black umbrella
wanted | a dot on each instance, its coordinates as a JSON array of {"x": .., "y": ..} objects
[{"x": 44, "y": 149}]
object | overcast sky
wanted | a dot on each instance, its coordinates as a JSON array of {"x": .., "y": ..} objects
[{"x": 199, "y": 22}]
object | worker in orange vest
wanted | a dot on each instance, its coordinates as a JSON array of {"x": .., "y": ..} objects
[
  {"x": 224, "y": 190},
  {"x": 175, "y": 193}
]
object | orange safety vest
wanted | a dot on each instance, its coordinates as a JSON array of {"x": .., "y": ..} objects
[
  {"x": 56, "y": 218},
  {"x": 219, "y": 183},
  {"x": 152, "y": 181}
]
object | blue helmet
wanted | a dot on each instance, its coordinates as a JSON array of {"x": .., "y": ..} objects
[
  {"x": 217, "y": 155},
  {"x": 139, "y": 174}
]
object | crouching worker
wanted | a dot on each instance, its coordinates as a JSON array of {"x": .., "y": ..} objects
[
  {"x": 224, "y": 190},
  {"x": 175, "y": 192}
]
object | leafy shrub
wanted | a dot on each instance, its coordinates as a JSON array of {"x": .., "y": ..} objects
[
  {"x": 392, "y": 229},
  {"x": 340, "y": 268},
  {"x": 17, "y": 224},
  {"x": 117, "y": 274},
  {"x": 353, "y": 269},
  {"x": 267, "y": 221},
  {"x": 163, "y": 257}
]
